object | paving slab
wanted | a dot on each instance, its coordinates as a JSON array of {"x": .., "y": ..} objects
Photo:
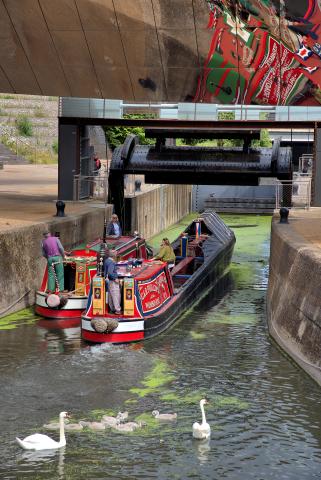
[{"x": 28, "y": 195}]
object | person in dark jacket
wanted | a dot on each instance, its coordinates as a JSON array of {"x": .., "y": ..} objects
[
  {"x": 111, "y": 276},
  {"x": 114, "y": 228}
]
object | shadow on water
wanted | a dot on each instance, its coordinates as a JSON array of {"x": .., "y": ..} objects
[{"x": 264, "y": 412}]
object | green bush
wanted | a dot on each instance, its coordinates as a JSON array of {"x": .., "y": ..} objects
[
  {"x": 24, "y": 126},
  {"x": 54, "y": 146}
]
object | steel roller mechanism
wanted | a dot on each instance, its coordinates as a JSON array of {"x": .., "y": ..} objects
[
  {"x": 201, "y": 165},
  {"x": 163, "y": 163}
]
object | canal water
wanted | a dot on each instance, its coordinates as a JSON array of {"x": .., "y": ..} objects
[{"x": 264, "y": 412}]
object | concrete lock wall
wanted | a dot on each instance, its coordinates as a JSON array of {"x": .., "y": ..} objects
[
  {"x": 156, "y": 209},
  {"x": 294, "y": 299},
  {"x": 22, "y": 265}
]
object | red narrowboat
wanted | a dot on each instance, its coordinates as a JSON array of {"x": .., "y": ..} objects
[
  {"x": 153, "y": 296},
  {"x": 80, "y": 266}
]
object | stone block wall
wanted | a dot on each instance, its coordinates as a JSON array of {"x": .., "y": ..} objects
[{"x": 294, "y": 297}]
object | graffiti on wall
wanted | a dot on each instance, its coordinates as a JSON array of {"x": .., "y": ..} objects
[{"x": 262, "y": 52}]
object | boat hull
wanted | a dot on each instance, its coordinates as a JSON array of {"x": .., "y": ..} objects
[
  {"x": 209, "y": 277},
  {"x": 73, "y": 309}
]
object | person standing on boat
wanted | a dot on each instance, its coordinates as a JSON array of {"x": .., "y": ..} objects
[
  {"x": 111, "y": 275},
  {"x": 166, "y": 253},
  {"x": 53, "y": 251},
  {"x": 114, "y": 228}
]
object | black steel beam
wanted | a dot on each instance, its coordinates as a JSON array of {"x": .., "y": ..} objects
[
  {"x": 225, "y": 133},
  {"x": 191, "y": 124}
]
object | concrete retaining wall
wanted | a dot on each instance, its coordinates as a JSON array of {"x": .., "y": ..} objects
[
  {"x": 22, "y": 266},
  {"x": 294, "y": 297},
  {"x": 157, "y": 209}
]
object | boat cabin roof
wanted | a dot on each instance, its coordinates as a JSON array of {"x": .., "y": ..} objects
[{"x": 145, "y": 271}]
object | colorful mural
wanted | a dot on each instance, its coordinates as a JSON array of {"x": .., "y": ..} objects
[{"x": 262, "y": 52}]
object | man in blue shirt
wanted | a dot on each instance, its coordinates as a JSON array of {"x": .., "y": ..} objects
[{"x": 111, "y": 275}]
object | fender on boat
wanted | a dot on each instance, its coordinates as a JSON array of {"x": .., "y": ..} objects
[
  {"x": 56, "y": 301},
  {"x": 103, "y": 325}
]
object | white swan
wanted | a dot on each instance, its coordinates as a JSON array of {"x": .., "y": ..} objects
[
  {"x": 203, "y": 430},
  {"x": 43, "y": 442},
  {"x": 164, "y": 417}
]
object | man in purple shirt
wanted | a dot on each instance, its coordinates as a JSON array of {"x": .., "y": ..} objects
[{"x": 54, "y": 253}]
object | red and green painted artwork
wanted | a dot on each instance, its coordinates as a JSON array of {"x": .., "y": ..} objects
[{"x": 262, "y": 52}]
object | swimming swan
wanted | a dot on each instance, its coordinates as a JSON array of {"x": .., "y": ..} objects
[
  {"x": 164, "y": 417},
  {"x": 203, "y": 430},
  {"x": 43, "y": 442}
]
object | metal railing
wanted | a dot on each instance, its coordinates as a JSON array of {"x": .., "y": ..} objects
[
  {"x": 305, "y": 164},
  {"x": 90, "y": 186},
  {"x": 106, "y": 108},
  {"x": 293, "y": 193}
]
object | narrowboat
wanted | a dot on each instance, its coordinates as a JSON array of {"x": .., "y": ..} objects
[
  {"x": 80, "y": 266},
  {"x": 153, "y": 296}
]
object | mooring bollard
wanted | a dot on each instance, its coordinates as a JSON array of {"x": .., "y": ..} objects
[
  {"x": 284, "y": 213},
  {"x": 60, "y": 205}
]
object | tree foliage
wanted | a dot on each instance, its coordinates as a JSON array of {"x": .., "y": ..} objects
[{"x": 116, "y": 136}]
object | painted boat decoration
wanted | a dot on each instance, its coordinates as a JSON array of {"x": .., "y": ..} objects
[
  {"x": 80, "y": 266},
  {"x": 153, "y": 297}
]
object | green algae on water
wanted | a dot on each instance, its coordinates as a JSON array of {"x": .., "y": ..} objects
[
  {"x": 174, "y": 231},
  {"x": 242, "y": 274},
  {"x": 215, "y": 401},
  {"x": 98, "y": 413},
  {"x": 17, "y": 319},
  {"x": 157, "y": 378},
  {"x": 231, "y": 319},
  {"x": 197, "y": 335},
  {"x": 221, "y": 401}
]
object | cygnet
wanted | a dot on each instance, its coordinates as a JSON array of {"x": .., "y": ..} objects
[
  {"x": 122, "y": 416},
  {"x": 128, "y": 427},
  {"x": 164, "y": 417},
  {"x": 93, "y": 425},
  {"x": 74, "y": 427},
  {"x": 110, "y": 421}
]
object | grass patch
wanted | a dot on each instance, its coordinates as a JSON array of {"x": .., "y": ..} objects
[
  {"x": 30, "y": 153},
  {"x": 24, "y": 126},
  {"x": 39, "y": 112}
]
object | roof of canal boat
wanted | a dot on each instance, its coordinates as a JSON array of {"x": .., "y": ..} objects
[
  {"x": 154, "y": 296},
  {"x": 80, "y": 266}
]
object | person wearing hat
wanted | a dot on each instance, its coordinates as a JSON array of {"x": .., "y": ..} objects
[
  {"x": 53, "y": 251},
  {"x": 111, "y": 275}
]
